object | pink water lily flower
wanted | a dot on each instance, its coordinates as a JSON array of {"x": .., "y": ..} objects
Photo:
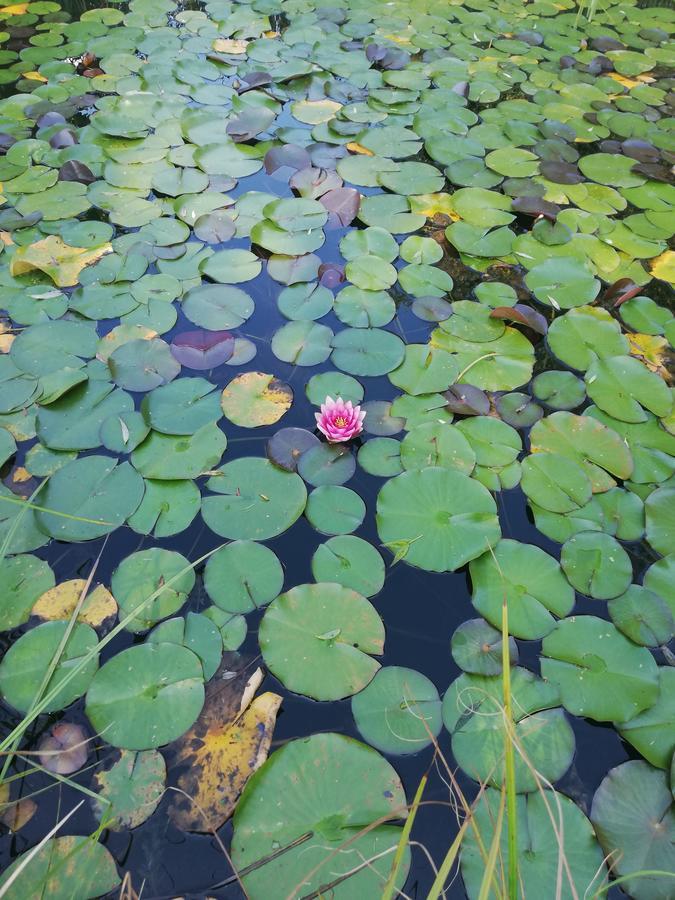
[{"x": 339, "y": 421}]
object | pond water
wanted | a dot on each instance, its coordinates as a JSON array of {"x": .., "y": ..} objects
[{"x": 468, "y": 198}]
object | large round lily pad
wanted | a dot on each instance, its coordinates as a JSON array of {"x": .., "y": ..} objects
[
  {"x": 164, "y": 575},
  {"x": 253, "y": 499},
  {"x": 399, "y": 711},
  {"x": 473, "y": 713},
  {"x": 90, "y": 868},
  {"x": 243, "y": 576},
  {"x": 634, "y": 818},
  {"x": 596, "y": 565},
  {"x": 27, "y": 662},
  {"x": 346, "y": 787},
  {"x": 528, "y": 580},
  {"x": 316, "y": 638},
  {"x": 438, "y": 519},
  {"x": 88, "y": 498},
  {"x": 601, "y": 674},
  {"x": 146, "y": 696},
  {"x": 548, "y": 825}
]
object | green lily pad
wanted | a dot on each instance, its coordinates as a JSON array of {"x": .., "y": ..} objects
[
  {"x": 182, "y": 407},
  {"x": 196, "y": 632},
  {"x": 51, "y": 346},
  {"x": 562, "y": 282},
  {"x": 316, "y": 639},
  {"x": 231, "y": 267},
  {"x": 424, "y": 370},
  {"x": 437, "y": 444},
  {"x": 27, "y": 662},
  {"x": 598, "y": 449},
  {"x": 399, "y": 712},
  {"x": 24, "y": 579},
  {"x": 167, "y": 508},
  {"x": 634, "y": 818},
  {"x": 473, "y": 714},
  {"x": 660, "y": 519},
  {"x": 133, "y": 785},
  {"x": 439, "y": 519},
  {"x": 333, "y": 384},
  {"x": 381, "y": 456},
  {"x": 583, "y": 332},
  {"x": 551, "y": 824},
  {"x": 367, "y": 351},
  {"x": 370, "y": 273},
  {"x": 90, "y": 867},
  {"x": 651, "y": 732},
  {"x": 351, "y": 562},
  {"x": 477, "y": 647},
  {"x": 528, "y": 580},
  {"x": 177, "y": 457},
  {"x": 302, "y": 343},
  {"x": 332, "y": 509},
  {"x": 364, "y": 308},
  {"x": 362, "y": 788},
  {"x": 643, "y": 616},
  {"x": 217, "y": 308},
  {"x": 600, "y": 673},
  {"x": 596, "y": 565},
  {"x": 146, "y": 696},
  {"x": 559, "y": 390},
  {"x": 96, "y": 489},
  {"x": 554, "y": 482},
  {"x": 145, "y": 573},
  {"x": 243, "y": 576},
  {"x": 624, "y": 388},
  {"x": 253, "y": 500}
]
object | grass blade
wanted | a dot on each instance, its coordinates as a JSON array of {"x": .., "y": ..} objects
[{"x": 388, "y": 891}]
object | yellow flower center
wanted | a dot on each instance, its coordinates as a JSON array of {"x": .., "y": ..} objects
[{"x": 340, "y": 421}]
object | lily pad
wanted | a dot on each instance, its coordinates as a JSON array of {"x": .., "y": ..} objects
[
  {"x": 316, "y": 639},
  {"x": 600, "y": 673},
  {"x": 477, "y": 647},
  {"x": 243, "y": 576},
  {"x": 146, "y": 696},
  {"x": 253, "y": 399},
  {"x": 90, "y": 866},
  {"x": 439, "y": 519},
  {"x": 88, "y": 498},
  {"x": 133, "y": 783},
  {"x": 634, "y": 818},
  {"x": 253, "y": 500},
  {"x": 399, "y": 711},
  {"x": 550, "y": 824},
  {"x": 351, "y": 562},
  {"x": 528, "y": 580},
  {"x": 473, "y": 713},
  {"x": 362, "y": 788},
  {"x": 28, "y": 662},
  {"x": 332, "y": 509},
  {"x": 596, "y": 565}
]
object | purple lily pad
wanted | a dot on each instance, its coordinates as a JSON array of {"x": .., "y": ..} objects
[
  {"x": 331, "y": 274},
  {"x": 282, "y": 162},
  {"x": 342, "y": 205},
  {"x": 286, "y": 447},
  {"x": 314, "y": 183},
  {"x": 201, "y": 349},
  {"x": 523, "y": 315},
  {"x": 64, "y": 749},
  {"x": 76, "y": 171},
  {"x": 467, "y": 400}
]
